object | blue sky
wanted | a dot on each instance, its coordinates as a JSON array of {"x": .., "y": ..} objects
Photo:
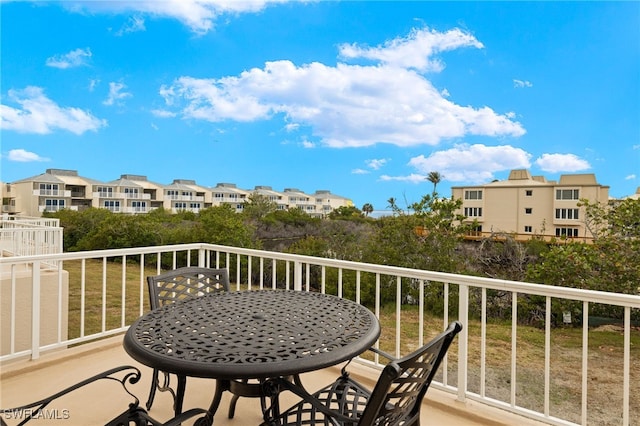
[{"x": 363, "y": 98}]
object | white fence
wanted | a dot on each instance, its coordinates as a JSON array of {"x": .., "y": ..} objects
[{"x": 529, "y": 378}]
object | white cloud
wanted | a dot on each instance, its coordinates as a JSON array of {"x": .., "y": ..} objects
[
  {"x": 93, "y": 83},
  {"x": 163, "y": 113},
  {"x": 359, "y": 172},
  {"x": 554, "y": 163},
  {"x": 413, "y": 178},
  {"x": 39, "y": 114},
  {"x": 376, "y": 164},
  {"x": 75, "y": 58},
  {"x": 521, "y": 83},
  {"x": 133, "y": 25},
  {"x": 22, "y": 156},
  {"x": 116, "y": 94},
  {"x": 291, "y": 127},
  {"x": 414, "y": 51},
  {"x": 470, "y": 163},
  {"x": 345, "y": 105},
  {"x": 630, "y": 177},
  {"x": 307, "y": 144},
  {"x": 198, "y": 15}
]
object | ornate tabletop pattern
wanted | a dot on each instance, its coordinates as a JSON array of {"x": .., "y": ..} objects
[{"x": 252, "y": 334}]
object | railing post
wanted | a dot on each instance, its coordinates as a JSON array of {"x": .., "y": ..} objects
[
  {"x": 297, "y": 276},
  {"x": 35, "y": 311},
  {"x": 202, "y": 261},
  {"x": 463, "y": 337}
]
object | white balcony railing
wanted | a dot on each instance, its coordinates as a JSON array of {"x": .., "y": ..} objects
[
  {"x": 112, "y": 285},
  {"x": 30, "y": 236},
  {"x": 184, "y": 198},
  {"x": 52, "y": 193},
  {"x": 121, "y": 195},
  {"x": 45, "y": 208}
]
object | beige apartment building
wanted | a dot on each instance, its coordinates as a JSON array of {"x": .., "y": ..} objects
[
  {"x": 58, "y": 189},
  {"x": 527, "y": 206}
]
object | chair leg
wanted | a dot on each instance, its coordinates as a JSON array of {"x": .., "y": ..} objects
[
  {"x": 152, "y": 391},
  {"x": 232, "y": 405}
]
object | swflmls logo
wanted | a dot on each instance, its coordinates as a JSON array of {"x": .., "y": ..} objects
[{"x": 44, "y": 414}]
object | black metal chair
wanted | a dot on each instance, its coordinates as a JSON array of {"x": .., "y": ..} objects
[
  {"x": 134, "y": 415},
  {"x": 172, "y": 286},
  {"x": 395, "y": 399}
]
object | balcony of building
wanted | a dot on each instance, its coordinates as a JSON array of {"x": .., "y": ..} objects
[
  {"x": 63, "y": 316},
  {"x": 34, "y": 379}
]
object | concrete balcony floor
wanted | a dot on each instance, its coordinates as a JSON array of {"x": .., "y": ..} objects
[{"x": 25, "y": 381}]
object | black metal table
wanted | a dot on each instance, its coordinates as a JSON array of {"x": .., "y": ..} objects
[{"x": 244, "y": 335}]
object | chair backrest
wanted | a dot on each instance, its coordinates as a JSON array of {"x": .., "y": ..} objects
[
  {"x": 398, "y": 394},
  {"x": 184, "y": 283}
]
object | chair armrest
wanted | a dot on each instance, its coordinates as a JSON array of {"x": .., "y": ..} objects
[
  {"x": 382, "y": 353},
  {"x": 131, "y": 375}
]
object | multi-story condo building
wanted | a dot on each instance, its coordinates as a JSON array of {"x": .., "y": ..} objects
[
  {"x": 58, "y": 189},
  {"x": 52, "y": 191},
  {"x": 229, "y": 193},
  {"x": 527, "y": 206},
  {"x": 300, "y": 200},
  {"x": 186, "y": 195},
  {"x": 326, "y": 202},
  {"x": 274, "y": 196}
]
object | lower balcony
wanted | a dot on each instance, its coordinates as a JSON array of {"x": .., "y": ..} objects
[
  {"x": 62, "y": 317},
  {"x": 24, "y": 381}
]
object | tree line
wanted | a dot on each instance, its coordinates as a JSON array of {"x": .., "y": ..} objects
[{"x": 428, "y": 235}]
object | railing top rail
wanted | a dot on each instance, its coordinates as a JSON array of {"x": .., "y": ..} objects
[{"x": 546, "y": 290}]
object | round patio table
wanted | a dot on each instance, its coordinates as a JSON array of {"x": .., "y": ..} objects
[{"x": 236, "y": 336}]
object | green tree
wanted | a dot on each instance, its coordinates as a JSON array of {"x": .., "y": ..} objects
[
  {"x": 434, "y": 178},
  {"x": 258, "y": 206},
  {"x": 367, "y": 209},
  {"x": 121, "y": 231},
  {"x": 610, "y": 263},
  {"x": 222, "y": 225},
  {"x": 346, "y": 213},
  {"x": 78, "y": 224}
]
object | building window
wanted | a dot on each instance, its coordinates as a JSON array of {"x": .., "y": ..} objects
[
  {"x": 473, "y": 211},
  {"x": 49, "y": 189},
  {"x": 567, "y": 214},
  {"x": 131, "y": 192},
  {"x": 139, "y": 206},
  {"x": 567, "y": 232},
  {"x": 528, "y": 229},
  {"x": 53, "y": 205},
  {"x": 180, "y": 206},
  {"x": 528, "y": 192},
  {"x": 112, "y": 205},
  {"x": 194, "y": 205},
  {"x": 105, "y": 191},
  {"x": 473, "y": 194},
  {"x": 528, "y": 210},
  {"x": 567, "y": 194}
]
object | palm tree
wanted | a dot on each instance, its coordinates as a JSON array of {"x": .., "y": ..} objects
[
  {"x": 392, "y": 202},
  {"x": 367, "y": 208},
  {"x": 434, "y": 178}
]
